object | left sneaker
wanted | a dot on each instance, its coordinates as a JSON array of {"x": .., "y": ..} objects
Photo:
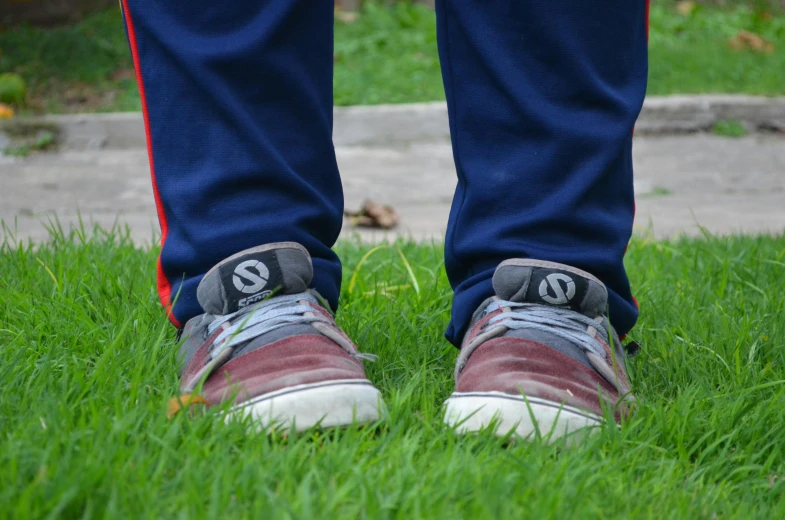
[
  {"x": 537, "y": 358},
  {"x": 270, "y": 347}
]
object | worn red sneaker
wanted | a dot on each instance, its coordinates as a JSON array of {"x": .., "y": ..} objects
[
  {"x": 270, "y": 346},
  {"x": 537, "y": 357}
]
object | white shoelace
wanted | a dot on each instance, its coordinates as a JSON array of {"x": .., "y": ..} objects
[
  {"x": 565, "y": 323},
  {"x": 261, "y": 318}
]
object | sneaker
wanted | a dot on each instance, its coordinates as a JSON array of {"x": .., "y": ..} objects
[
  {"x": 271, "y": 347},
  {"x": 537, "y": 358}
]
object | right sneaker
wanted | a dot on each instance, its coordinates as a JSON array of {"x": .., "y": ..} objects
[
  {"x": 271, "y": 347},
  {"x": 540, "y": 357}
]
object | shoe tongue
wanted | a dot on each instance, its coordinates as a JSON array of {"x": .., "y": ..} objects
[
  {"x": 549, "y": 283},
  {"x": 254, "y": 274}
]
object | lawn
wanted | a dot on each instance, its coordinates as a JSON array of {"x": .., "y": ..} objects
[
  {"x": 388, "y": 55},
  {"x": 88, "y": 364}
]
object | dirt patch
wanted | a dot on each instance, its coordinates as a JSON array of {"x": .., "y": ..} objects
[
  {"x": 71, "y": 98},
  {"x": 21, "y": 138}
]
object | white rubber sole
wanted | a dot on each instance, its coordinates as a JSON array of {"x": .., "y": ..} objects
[
  {"x": 528, "y": 417},
  {"x": 328, "y": 404}
]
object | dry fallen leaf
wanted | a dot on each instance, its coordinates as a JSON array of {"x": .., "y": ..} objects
[
  {"x": 685, "y": 7},
  {"x": 749, "y": 40},
  {"x": 374, "y": 215},
  {"x": 6, "y": 112},
  {"x": 184, "y": 401}
]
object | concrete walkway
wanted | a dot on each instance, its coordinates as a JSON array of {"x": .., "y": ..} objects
[{"x": 683, "y": 182}]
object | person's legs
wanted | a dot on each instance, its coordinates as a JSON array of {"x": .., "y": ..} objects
[
  {"x": 542, "y": 97},
  {"x": 237, "y": 101}
]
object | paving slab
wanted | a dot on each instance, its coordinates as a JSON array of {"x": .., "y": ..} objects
[
  {"x": 683, "y": 183},
  {"x": 381, "y": 125}
]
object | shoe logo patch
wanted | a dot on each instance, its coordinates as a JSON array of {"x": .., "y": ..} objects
[
  {"x": 552, "y": 291},
  {"x": 251, "y": 276}
]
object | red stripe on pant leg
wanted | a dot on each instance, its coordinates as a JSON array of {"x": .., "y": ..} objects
[{"x": 163, "y": 283}]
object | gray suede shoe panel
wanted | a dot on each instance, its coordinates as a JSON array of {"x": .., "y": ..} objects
[
  {"x": 511, "y": 283},
  {"x": 273, "y": 336},
  {"x": 296, "y": 269},
  {"x": 553, "y": 341},
  {"x": 549, "y": 283},
  {"x": 252, "y": 275},
  {"x": 194, "y": 334},
  {"x": 211, "y": 292}
]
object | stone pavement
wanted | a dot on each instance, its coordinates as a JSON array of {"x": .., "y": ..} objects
[{"x": 682, "y": 182}]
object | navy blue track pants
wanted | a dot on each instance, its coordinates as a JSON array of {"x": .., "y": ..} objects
[{"x": 542, "y": 98}]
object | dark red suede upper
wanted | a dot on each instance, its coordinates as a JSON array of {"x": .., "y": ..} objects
[
  {"x": 477, "y": 328},
  {"x": 294, "y": 360},
  {"x": 298, "y": 360},
  {"x": 519, "y": 366}
]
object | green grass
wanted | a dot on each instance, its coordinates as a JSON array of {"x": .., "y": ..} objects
[
  {"x": 729, "y": 128},
  {"x": 656, "y": 191},
  {"x": 689, "y": 54},
  {"x": 388, "y": 55},
  {"x": 88, "y": 363},
  {"x": 73, "y": 68},
  {"x": 40, "y": 141}
]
